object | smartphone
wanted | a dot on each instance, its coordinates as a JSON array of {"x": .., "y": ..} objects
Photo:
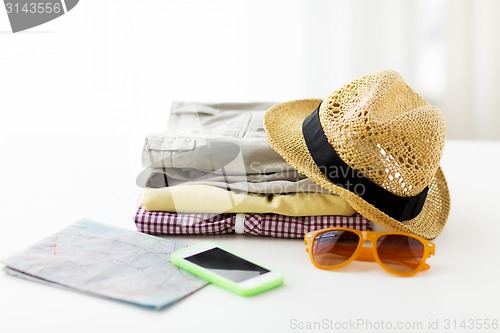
[{"x": 225, "y": 269}]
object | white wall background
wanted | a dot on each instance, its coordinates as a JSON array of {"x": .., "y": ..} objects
[{"x": 115, "y": 65}]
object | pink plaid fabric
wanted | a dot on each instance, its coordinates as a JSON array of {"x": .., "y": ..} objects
[{"x": 253, "y": 223}]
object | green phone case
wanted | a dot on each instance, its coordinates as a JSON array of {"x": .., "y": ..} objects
[{"x": 221, "y": 280}]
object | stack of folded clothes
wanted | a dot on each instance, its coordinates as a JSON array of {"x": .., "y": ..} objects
[{"x": 213, "y": 172}]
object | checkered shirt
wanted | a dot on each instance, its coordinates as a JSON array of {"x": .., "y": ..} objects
[{"x": 272, "y": 225}]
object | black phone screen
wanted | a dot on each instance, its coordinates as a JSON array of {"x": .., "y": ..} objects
[{"x": 227, "y": 264}]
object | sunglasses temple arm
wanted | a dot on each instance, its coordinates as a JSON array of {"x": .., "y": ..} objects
[{"x": 425, "y": 267}]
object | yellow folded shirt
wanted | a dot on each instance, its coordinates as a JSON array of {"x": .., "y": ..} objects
[{"x": 215, "y": 200}]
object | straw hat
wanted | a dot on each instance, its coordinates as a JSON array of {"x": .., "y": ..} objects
[{"x": 376, "y": 143}]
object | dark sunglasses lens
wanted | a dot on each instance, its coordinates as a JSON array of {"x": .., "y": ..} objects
[
  {"x": 332, "y": 248},
  {"x": 400, "y": 253}
]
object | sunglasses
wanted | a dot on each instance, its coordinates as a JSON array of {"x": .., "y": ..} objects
[{"x": 399, "y": 253}]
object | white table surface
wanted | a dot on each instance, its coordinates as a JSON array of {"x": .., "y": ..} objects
[{"x": 49, "y": 183}]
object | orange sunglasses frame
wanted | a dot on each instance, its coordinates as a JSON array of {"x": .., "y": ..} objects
[{"x": 366, "y": 254}]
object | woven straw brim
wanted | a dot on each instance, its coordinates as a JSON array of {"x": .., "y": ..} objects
[{"x": 283, "y": 124}]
